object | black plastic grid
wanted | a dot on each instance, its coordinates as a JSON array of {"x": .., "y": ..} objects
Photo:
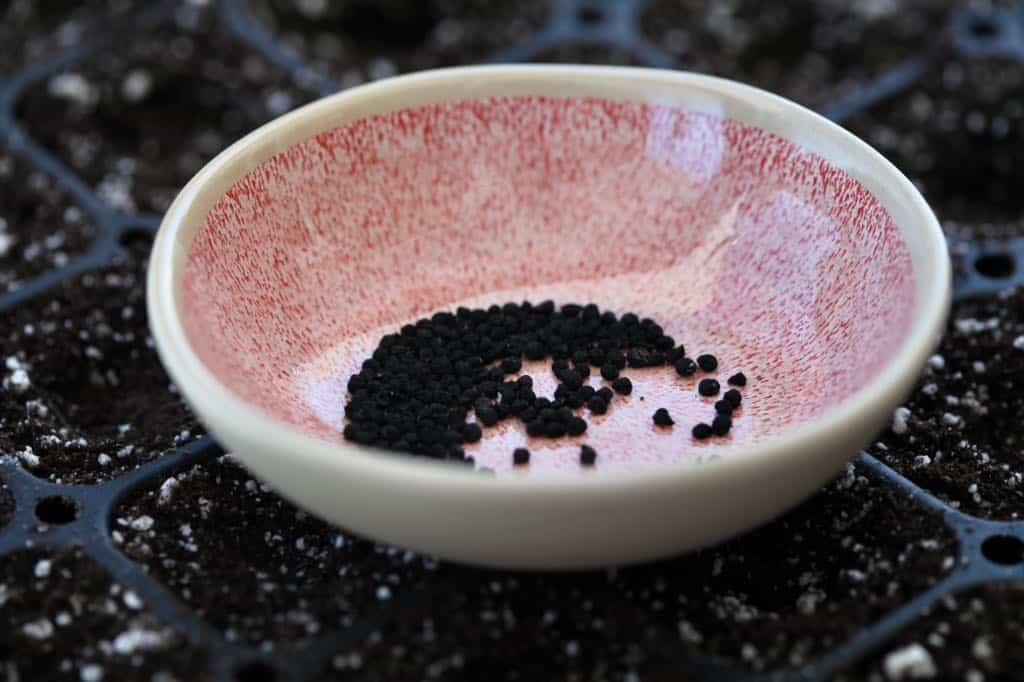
[{"x": 84, "y": 513}]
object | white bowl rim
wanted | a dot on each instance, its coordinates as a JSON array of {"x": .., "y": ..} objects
[{"x": 222, "y": 410}]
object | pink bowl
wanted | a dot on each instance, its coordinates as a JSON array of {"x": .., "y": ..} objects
[{"x": 745, "y": 225}]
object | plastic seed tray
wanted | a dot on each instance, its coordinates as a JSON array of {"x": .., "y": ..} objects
[{"x": 131, "y": 547}]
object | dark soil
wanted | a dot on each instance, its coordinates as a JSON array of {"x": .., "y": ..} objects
[
  {"x": 258, "y": 568},
  {"x": 62, "y": 618},
  {"x": 40, "y": 227},
  {"x": 590, "y": 54},
  {"x": 6, "y": 505},
  {"x": 31, "y": 30},
  {"x": 975, "y": 636},
  {"x": 139, "y": 120},
  {"x": 959, "y": 134},
  {"x": 812, "y": 52},
  {"x": 354, "y": 41},
  {"x": 85, "y": 397},
  {"x": 963, "y": 440}
]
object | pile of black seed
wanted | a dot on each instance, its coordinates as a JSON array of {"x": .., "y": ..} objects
[{"x": 416, "y": 390}]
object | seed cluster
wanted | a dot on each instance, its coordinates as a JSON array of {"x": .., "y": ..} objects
[{"x": 416, "y": 391}]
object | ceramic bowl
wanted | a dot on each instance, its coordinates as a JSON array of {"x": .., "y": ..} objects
[{"x": 746, "y": 225}]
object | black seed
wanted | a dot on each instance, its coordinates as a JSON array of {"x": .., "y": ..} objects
[
  {"x": 559, "y": 367},
  {"x": 587, "y": 392},
  {"x": 655, "y": 358},
  {"x": 511, "y": 365},
  {"x": 571, "y": 309},
  {"x": 708, "y": 387},
  {"x": 609, "y": 372},
  {"x": 630, "y": 319},
  {"x": 487, "y": 417},
  {"x": 672, "y": 355},
  {"x": 623, "y": 385},
  {"x": 535, "y": 428},
  {"x": 604, "y": 393},
  {"x": 572, "y": 379},
  {"x": 580, "y": 357},
  {"x": 615, "y": 358},
  {"x": 635, "y": 359},
  {"x": 724, "y": 407},
  {"x": 528, "y": 415},
  {"x": 738, "y": 379},
  {"x": 546, "y": 307},
  {"x": 588, "y": 455},
  {"x": 456, "y": 452},
  {"x": 533, "y": 350},
  {"x": 555, "y": 429},
  {"x": 721, "y": 424},
  {"x": 471, "y": 433},
  {"x": 576, "y": 426},
  {"x": 597, "y": 405},
  {"x": 733, "y": 396},
  {"x": 662, "y": 417},
  {"x": 520, "y": 456},
  {"x": 575, "y": 400},
  {"x": 708, "y": 363},
  {"x": 701, "y": 431},
  {"x": 525, "y": 381},
  {"x": 685, "y": 367},
  {"x": 664, "y": 343}
]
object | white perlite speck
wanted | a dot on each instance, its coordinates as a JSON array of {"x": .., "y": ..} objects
[
  {"x": 136, "y": 85},
  {"x": 27, "y": 456},
  {"x": 132, "y": 601},
  {"x": 90, "y": 673},
  {"x": 912, "y": 662},
  {"x": 18, "y": 382},
  {"x": 142, "y": 523},
  {"x": 38, "y": 629},
  {"x": 937, "y": 362},
  {"x": 133, "y": 640},
  {"x": 42, "y": 568},
  {"x": 167, "y": 491},
  {"x": 969, "y": 325},
  {"x": 6, "y": 242},
  {"x": 383, "y": 592},
  {"x": 899, "y": 420},
  {"x": 1018, "y": 342},
  {"x": 103, "y": 459}
]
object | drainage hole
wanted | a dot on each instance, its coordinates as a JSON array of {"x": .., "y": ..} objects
[
  {"x": 589, "y": 15},
  {"x": 1003, "y": 549},
  {"x": 983, "y": 27},
  {"x": 57, "y": 510},
  {"x": 996, "y": 265},
  {"x": 255, "y": 671}
]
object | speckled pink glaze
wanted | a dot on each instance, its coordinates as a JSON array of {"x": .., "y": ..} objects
[{"x": 737, "y": 241}]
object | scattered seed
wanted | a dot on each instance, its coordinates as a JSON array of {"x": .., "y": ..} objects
[
  {"x": 662, "y": 417},
  {"x": 721, "y": 424},
  {"x": 708, "y": 387},
  {"x": 520, "y": 456},
  {"x": 597, "y": 405},
  {"x": 588, "y": 455},
  {"x": 738, "y": 379},
  {"x": 623, "y": 386},
  {"x": 733, "y": 396},
  {"x": 609, "y": 372},
  {"x": 702, "y": 431},
  {"x": 685, "y": 367},
  {"x": 708, "y": 363}
]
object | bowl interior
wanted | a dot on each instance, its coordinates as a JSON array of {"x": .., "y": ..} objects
[{"x": 737, "y": 241}]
